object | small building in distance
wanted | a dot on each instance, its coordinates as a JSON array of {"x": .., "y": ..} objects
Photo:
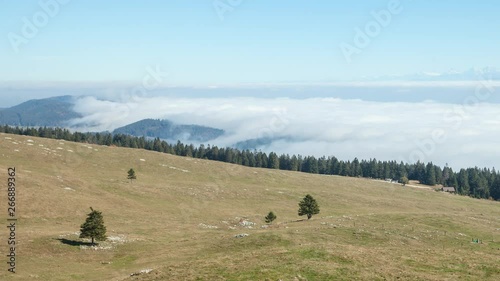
[{"x": 449, "y": 189}]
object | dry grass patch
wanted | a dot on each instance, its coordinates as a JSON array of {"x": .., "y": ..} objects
[{"x": 366, "y": 230}]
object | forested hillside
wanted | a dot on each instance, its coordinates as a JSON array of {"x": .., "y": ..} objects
[
  {"x": 474, "y": 182},
  {"x": 53, "y": 112},
  {"x": 164, "y": 129}
]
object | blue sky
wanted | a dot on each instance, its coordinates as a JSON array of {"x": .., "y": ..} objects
[
  {"x": 316, "y": 51},
  {"x": 256, "y": 41}
]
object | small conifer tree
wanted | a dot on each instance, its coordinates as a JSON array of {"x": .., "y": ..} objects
[
  {"x": 93, "y": 227},
  {"x": 131, "y": 175},
  {"x": 270, "y": 217},
  {"x": 308, "y": 206}
]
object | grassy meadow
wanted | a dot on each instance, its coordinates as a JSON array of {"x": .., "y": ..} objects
[{"x": 179, "y": 219}]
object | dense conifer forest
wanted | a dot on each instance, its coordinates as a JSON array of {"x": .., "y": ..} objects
[{"x": 475, "y": 182}]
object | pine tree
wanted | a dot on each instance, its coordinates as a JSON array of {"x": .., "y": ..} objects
[
  {"x": 404, "y": 180},
  {"x": 401, "y": 171},
  {"x": 438, "y": 175},
  {"x": 495, "y": 189},
  {"x": 131, "y": 175},
  {"x": 419, "y": 173},
  {"x": 93, "y": 227},
  {"x": 310, "y": 165},
  {"x": 474, "y": 182},
  {"x": 322, "y": 165},
  {"x": 430, "y": 175},
  {"x": 356, "y": 171},
  {"x": 308, "y": 206},
  {"x": 347, "y": 169},
  {"x": 270, "y": 217},
  {"x": 284, "y": 162},
  {"x": 274, "y": 162},
  {"x": 463, "y": 182},
  {"x": 294, "y": 163}
]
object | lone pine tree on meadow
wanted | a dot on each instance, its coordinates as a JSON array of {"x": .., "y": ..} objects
[
  {"x": 93, "y": 227},
  {"x": 308, "y": 206},
  {"x": 270, "y": 217},
  {"x": 131, "y": 175}
]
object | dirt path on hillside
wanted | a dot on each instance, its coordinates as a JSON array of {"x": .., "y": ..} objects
[{"x": 410, "y": 185}]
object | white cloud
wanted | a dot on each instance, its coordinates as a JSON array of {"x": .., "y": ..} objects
[{"x": 325, "y": 126}]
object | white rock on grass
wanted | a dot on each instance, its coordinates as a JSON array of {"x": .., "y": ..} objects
[
  {"x": 95, "y": 248},
  {"x": 241, "y": 235},
  {"x": 207, "y": 226},
  {"x": 70, "y": 234},
  {"x": 117, "y": 239},
  {"x": 182, "y": 170},
  {"x": 143, "y": 271},
  {"x": 246, "y": 223}
]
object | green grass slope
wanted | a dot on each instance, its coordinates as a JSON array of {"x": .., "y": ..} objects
[{"x": 180, "y": 217}]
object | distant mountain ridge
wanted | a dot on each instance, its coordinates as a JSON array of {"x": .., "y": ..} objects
[
  {"x": 59, "y": 111},
  {"x": 472, "y": 74},
  {"x": 51, "y": 112},
  {"x": 167, "y": 130}
]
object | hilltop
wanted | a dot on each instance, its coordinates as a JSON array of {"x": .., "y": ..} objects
[
  {"x": 164, "y": 129},
  {"x": 60, "y": 112},
  {"x": 180, "y": 217},
  {"x": 55, "y": 111}
]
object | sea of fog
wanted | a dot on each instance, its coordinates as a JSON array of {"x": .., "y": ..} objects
[{"x": 458, "y": 125}]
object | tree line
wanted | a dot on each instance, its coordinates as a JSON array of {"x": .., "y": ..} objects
[{"x": 475, "y": 182}]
